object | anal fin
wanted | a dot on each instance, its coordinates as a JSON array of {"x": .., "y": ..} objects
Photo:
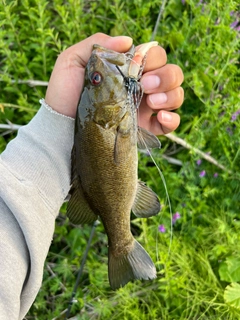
[{"x": 146, "y": 203}]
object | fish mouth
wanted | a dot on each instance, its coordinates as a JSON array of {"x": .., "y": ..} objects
[{"x": 136, "y": 64}]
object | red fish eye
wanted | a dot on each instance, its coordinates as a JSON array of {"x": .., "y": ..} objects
[{"x": 96, "y": 78}]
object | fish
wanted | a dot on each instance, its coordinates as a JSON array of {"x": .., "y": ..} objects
[{"x": 104, "y": 160}]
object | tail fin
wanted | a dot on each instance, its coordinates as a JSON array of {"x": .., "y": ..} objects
[{"x": 136, "y": 264}]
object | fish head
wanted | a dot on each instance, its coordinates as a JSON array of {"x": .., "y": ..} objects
[
  {"x": 112, "y": 87},
  {"x": 105, "y": 83},
  {"x": 105, "y": 92}
]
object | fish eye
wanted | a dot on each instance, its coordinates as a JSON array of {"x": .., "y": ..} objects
[{"x": 96, "y": 78}]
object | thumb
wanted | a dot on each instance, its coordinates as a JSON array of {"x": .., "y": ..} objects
[
  {"x": 83, "y": 49},
  {"x": 67, "y": 78}
]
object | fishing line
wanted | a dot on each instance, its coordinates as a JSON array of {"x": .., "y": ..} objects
[
  {"x": 166, "y": 190},
  {"x": 143, "y": 141},
  {"x": 161, "y": 10}
]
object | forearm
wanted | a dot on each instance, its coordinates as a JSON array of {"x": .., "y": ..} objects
[{"x": 35, "y": 179}]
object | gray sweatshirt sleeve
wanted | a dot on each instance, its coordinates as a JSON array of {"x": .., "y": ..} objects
[{"x": 34, "y": 181}]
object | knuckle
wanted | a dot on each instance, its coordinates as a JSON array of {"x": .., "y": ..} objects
[
  {"x": 176, "y": 98},
  {"x": 180, "y": 95},
  {"x": 163, "y": 55},
  {"x": 175, "y": 74}
]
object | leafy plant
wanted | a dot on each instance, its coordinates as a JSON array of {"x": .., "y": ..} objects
[
  {"x": 232, "y": 295},
  {"x": 196, "y": 248}
]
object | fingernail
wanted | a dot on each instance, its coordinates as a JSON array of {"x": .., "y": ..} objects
[
  {"x": 166, "y": 116},
  {"x": 123, "y": 37},
  {"x": 158, "y": 98},
  {"x": 150, "y": 83}
]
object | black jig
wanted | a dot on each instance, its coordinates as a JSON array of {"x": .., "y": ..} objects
[{"x": 134, "y": 89}]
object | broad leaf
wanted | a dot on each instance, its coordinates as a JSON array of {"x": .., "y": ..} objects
[
  {"x": 229, "y": 270},
  {"x": 232, "y": 295}
]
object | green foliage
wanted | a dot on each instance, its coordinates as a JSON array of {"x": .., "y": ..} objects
[
  {"x": 229, "y": 270},
  {"x": 232, "y": 295},
  {"x": 197, "y": 258}
]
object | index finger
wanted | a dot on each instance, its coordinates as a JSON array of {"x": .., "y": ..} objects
[{"x": 156, "y": 58}]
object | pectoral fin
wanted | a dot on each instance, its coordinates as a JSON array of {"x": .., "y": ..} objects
[
  {"x": 78, "y": 209},
  {"x": 147, "y": 139},
  {"x": 146, "y": 203},
  {"x": 124, "y": 139},
  {"x": 122, "y": 148}
]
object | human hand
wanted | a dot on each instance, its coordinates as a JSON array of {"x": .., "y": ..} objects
[
  {"x": 162, "y": 93},
  {"x": 67, "y": 81}
]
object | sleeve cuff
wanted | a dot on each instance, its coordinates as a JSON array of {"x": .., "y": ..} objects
[{"x": 41, "y": 154}]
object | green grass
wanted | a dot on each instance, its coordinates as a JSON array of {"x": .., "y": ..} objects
[{"x": 198, "y": 259}]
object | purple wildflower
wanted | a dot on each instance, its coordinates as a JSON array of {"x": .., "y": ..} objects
[
  {"x": 234, "y": 24},
  {"x": 161, "y": 228},
  {"x": 183, "y": 2},
  {"x": 176, "y": 216},
  {"x": 235, "y": 115},
  {"x": 202, "y": 174},
  {"x": 199, "y": 161},
  {"x": 215, "y": 175}
]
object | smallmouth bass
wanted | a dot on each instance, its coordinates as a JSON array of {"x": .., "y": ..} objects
[{"x": 104, "y": 178}]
